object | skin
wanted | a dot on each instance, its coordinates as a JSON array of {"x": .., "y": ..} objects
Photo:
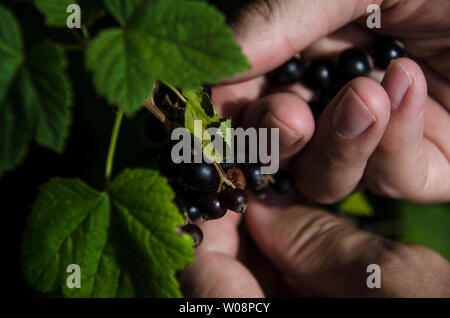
[{"x": 286, "y": 248}]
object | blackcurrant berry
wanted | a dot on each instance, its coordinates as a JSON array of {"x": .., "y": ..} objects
[
  {"x": 234, "y": 200},
  {"x": 386, "y": 50},
  {"x": 252, "y": 174},
  {"x": 193, "y": 212},
  {"x": 284, "y": 182},
  {"x": 154, "y": 130},
  {"x": 288, "y": 73},
  {"x": 319, "y": 74},
  {"x": 194, "y": 231},
  {"x": 200, "y": 176},
  {"x": 352, "y": 63},
  {"x": 210, "y": 207},
  {"x": 207, "y": 89}
]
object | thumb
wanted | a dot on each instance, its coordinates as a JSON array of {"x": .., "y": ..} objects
[
  {"x": 272, "y": 31},
  {"x": 323, "y": 256}
]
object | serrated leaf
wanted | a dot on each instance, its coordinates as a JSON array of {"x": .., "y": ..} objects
[
  {"x": 188, "y": 41},
  {"x": 121, "y": 9},
  {"x": 125, "y": 241},
  {"x": 10, "y": 49},
  {"x": 356, "y": 204},
  {"x": 118, "y": 61},
  {"x": 185, "y": 43},
  {"x": 54, "y": 11},
  {"x": 68, "y": 225},
  {"x": 34, "y": 95}
]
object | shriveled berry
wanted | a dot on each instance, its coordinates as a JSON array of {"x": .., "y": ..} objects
[{"x": 236, "y": 176}]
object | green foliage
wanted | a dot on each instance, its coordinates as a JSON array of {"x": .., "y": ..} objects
[
  {"x": 54, "y": 11},
  {"x": 426, "y": 224},
  {"x": 199, "y": 107},
  {"x": 35, "y": 95},
  {"x": 185, "y": 43},
  {"x": 356, "y": 204},
  {"x": 125, "y": 240},
  {"x": 121, "y": 9}
]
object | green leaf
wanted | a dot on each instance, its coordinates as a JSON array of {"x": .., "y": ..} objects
[
  {"x": 425, "y": 224},
  {"x": 356, "y": 204},
  {"x": 34, "y": 95},
  {"x": 10, "y": 49},
  {"x": 121, "y": 9},
  {"x": 185, "y": 43},
  {"x": 124, "y": 240},
  {"x": 54, "y": 11},
  {"x": 118, "y": 60},
  {"x": 200, "y": 107},
  {"x": 188, "y": 41}
]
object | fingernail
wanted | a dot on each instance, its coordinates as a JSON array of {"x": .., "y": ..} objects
[
  {"x": 396, "y": 83},
  {"x": 351, "y": 117},
  {"x": 288, "y": 137}
]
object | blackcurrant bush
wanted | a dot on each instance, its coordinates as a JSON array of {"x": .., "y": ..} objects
[
  {"x": 319, "y": 74},
  {"x": 200, "y": 176},
  {"x": 288, "y": 73},
  {"x": 193, "y": 212},
  {"x": 284, "y": 182},
  {"x": 386, "y": 50},
  {"x": 194, "y": 231},
  {"x": 352, "y": 63},
  {"x": 154, "y": 130},
  {"x": 210, "y": 207},
  {"x": 234, "y": 200}
]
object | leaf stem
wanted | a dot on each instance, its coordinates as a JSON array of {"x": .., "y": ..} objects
[
  {"x": 152, "y": 108},
  {"x": 180, "y": 96},
  {"x": 112, "y": 147}
]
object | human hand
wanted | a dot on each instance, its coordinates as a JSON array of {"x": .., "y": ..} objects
[
  {"x": 402, "y": 153},
  {"x": 306, "y": 252}
]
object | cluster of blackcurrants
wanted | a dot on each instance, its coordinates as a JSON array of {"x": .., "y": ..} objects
[
  {"x": 206, "y": 190},
  {"x": 326, "y": 78}
]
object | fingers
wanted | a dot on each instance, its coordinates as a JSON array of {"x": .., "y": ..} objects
[
  {"x": 347, "y": 133},
  {"x": 272, "y": 31},
  {"x": 322, "y": 255},
  {"x": 287, "y": 112},
  {"x": 216, "y": 272},
  {"x": 405, "y": 164}
]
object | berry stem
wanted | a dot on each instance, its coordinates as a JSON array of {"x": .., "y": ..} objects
[
  {"x": 112, "y": 147},
  {"x": 223, "y": 178},
  {"x": 180, "y": 96},
  {"x": 152, "y": 108}
]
